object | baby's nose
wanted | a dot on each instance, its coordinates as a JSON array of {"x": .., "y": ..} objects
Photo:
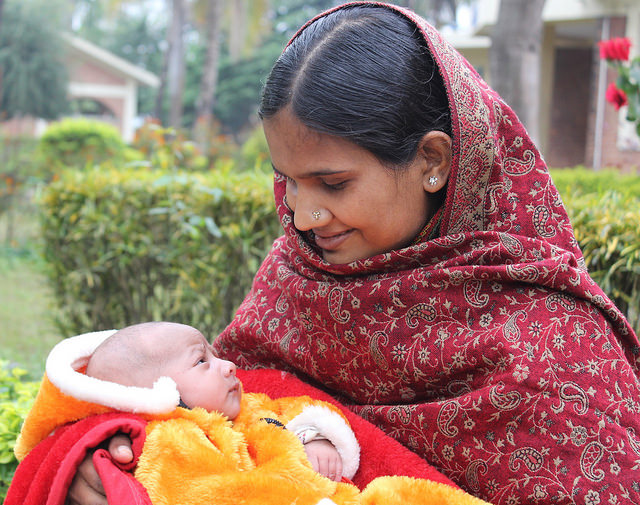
[{"x": 228, "y": 368}]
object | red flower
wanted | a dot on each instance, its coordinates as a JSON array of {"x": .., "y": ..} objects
[
  {"x": 615, "y": 49},
  {"x": 616, "y": 96}
]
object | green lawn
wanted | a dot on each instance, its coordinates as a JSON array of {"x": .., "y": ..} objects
[{"x": 26, "y": 327}]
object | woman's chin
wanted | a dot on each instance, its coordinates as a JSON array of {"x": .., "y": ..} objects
[{"x": 342, "y": 257}]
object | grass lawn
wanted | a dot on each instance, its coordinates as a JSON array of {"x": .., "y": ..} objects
[{"x": 26, "y": 327}]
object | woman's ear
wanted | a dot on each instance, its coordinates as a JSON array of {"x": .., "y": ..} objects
[{"x": 435, "y": 153}]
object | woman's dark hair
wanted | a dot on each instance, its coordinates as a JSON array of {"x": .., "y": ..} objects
[{"x": 363, "y": 73}]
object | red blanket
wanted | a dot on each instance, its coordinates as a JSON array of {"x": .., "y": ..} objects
[{"x": 44, "y": 476}]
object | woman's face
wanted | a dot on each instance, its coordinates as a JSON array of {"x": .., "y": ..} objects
[{"x": 354, "y": 205}]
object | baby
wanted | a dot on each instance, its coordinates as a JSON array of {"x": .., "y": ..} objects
[
  {"x": 139, "y": 355},
  {"x": 197, "y": 437}
]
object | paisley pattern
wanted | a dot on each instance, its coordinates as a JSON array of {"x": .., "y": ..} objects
[
  {"x": 528, "y": 458},
  {"x": 488, "y": 350}
]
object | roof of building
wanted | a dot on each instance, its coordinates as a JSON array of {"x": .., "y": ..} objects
[{"x": 111, "y": 61}]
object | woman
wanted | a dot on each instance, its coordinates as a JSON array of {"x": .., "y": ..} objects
[
  {"x": 469, "y": 330},
  {"x": 429, "y": 276}
]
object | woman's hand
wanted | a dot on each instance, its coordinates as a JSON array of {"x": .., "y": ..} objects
[
  {"x": 86, "y": 487},
  {"x": 324, "y": 458}
]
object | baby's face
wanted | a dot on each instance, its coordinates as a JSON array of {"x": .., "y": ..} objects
[{"x": 203, "y": 380}]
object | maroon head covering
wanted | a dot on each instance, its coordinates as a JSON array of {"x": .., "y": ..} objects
[{"x": 487, "y": 350}]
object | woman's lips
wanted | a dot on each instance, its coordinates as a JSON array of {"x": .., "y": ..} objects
[{"x": 331, "y": 242}]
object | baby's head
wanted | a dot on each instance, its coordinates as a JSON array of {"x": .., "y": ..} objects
[{"x": 140, "y": 354}]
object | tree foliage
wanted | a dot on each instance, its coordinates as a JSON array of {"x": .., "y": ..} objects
[
  {"x": 34, "y": 80},
  {"x": 241, "y": 79},
  {"x": 253, "y": 34}
]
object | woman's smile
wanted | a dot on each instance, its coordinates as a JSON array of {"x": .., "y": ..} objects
[{"x": 331, "y": 241}]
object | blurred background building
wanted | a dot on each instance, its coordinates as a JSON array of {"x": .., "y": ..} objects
[{"x": 577, "y": 126}]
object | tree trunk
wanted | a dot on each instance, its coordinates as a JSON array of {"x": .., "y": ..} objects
[
  {"x": 514, "y": 58},
  {"x": 239, "y": 23},
  {"x": 1, "y": 7},
  {"x": 206, "y": 96},
  {"x": 176, "y": 66},
  {"x": 159, "y": 105}
]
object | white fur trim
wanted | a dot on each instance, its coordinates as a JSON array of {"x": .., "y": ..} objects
[
  {"x": 74, "y": 353},
  {"x": 333, "y": 427}
]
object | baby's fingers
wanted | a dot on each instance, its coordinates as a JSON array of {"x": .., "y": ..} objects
[
  {"x": 338, "y": 476},
  {"x": 331, "y": 468}
]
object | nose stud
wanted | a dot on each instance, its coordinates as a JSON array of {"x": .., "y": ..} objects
[{"x": 316, "y": 214}]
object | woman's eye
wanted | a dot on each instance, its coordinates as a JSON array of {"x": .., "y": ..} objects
[{"x": 335, "y": 186}]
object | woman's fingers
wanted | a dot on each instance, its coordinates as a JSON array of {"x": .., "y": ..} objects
[{"x": 86, "y": 487}]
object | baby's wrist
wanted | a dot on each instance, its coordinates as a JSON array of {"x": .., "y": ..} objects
[{"x": 308, "y": 434}]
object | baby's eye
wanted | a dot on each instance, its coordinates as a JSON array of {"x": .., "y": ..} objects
[{"x": 201, "y": 361}]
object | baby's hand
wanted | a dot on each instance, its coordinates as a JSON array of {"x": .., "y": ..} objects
[{"x": 325, "y": 459}]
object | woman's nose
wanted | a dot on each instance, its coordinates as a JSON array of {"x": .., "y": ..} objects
[
  {"x": 307, "y": 219},
  {"x": 307, "y": 213}
]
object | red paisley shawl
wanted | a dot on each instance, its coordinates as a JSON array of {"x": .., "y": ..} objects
[{"x": 487, "y": 350}]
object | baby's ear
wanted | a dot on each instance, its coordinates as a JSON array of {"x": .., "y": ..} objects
[{"x": 434, "y": 154}]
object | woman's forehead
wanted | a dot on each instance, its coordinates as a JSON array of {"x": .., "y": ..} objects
[{"x": 296, "y": 148}]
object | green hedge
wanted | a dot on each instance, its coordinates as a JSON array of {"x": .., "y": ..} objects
[
  {"x": 132, "y": 245},
  {"x": 80, "y": 142},
  {"x": 579, "y": 181},
  {"x": 16, "y": 398},
  {"x": 604, "y": 208}
]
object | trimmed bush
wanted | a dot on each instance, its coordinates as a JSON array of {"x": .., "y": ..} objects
[
  {"x": 78, "y": 142},
  {"x": 132, "y": 245},
  {"x": 16, "y": 398},
  {"x": 582, "y": 181},
  {"x": 165, "y": 148},
  {"x": 604, "y": 208}
]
